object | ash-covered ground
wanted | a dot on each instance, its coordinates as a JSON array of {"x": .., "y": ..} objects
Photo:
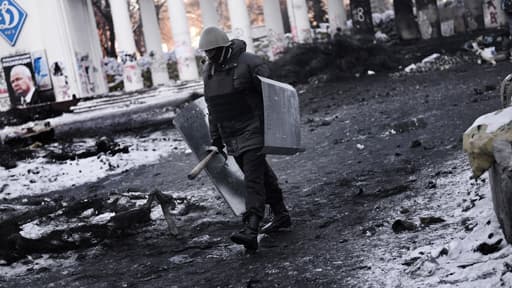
[{"x": 380, "y": 198}]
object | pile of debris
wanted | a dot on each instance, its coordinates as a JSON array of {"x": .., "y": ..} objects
[
  {"x": 436, "y": 62},
  {"x": 385, "y": 27},
  {"x": 344, "y": 57},
  {"x": 64, "y": 151},
  {"x": 56, "y": 226},
  {"x": 12, "y": 152}
]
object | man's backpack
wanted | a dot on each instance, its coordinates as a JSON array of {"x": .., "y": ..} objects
[{"x": 506, "y": 5}]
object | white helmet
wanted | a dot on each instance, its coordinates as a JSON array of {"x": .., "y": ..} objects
[{"x": 213, "y": 37}]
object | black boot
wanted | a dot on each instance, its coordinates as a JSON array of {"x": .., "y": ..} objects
[
  {"x": 248, "y": 236},
  {"x": 280, "y": 219}
]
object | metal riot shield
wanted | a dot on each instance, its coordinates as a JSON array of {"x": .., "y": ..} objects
[
  {"x": 281, "y": 117},
  {"x": 192, "y": 123}
]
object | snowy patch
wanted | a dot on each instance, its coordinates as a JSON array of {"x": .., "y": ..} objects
[
  {"x": 39, "y": 175},
  {"x": 493, "y": 120},
  {"x": 446, "y": 255},
  {"x": 46, "y": 262}
]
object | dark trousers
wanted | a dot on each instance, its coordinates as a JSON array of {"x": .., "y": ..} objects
[{"x": 260, "y": 182}]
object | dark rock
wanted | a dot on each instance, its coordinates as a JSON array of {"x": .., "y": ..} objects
[
  {"x": 390, "y": 191},
  {"x": 105, "y": 144},
  {"x": 402, "y": 225},
  {"x": 431, "y": 184},
  {"x": 411, "y": 261},
  {"x": 324, "y": 122},
  {"x": 487, "y": 249},
  {"x": 415, "y": 144},
  {"x": 508, "y": 267},
  {"x": 443, "y": 252},
  {"x": 404, "y": 210},
  {"x": 478, "y": 91},
  {"x": 344, "y": 182},
  {"x": 430, "y": 220},
  {"x": 489, "y": 87},
  {"x": 468, "y": 224},
  {"x": 409, "y": 125}
]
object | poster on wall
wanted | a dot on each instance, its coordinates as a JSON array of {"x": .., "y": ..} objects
[
  {"x": 60, "y": 82},
  {"x": 3, "y": 86},
  {"x": 85, "y": 70},
  {"x": 4, "y": 94},
  {"x": 41, "y": 70},
  {"x": 493, "y": 14},
  {"x": 21, "y": 82}
]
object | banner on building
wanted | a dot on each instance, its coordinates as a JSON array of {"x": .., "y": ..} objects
[{"x": 21, "y": 81}]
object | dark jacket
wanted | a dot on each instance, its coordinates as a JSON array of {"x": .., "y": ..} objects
[{"x": 233, "y": 95}]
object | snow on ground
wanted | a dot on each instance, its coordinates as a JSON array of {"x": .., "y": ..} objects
[
  {"x": 38, "y": 264},
  {"x": 444, "y": 255},
  {"x": 40, "y": 175}
]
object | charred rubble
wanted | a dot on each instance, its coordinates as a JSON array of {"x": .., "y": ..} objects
[
  {"x": 64, "y": 225},
  {"x": 28, "y": 147},
  {"x": 343, "y": 57}
]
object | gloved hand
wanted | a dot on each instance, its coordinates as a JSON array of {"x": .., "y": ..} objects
[{"x": 218, "y": 149}]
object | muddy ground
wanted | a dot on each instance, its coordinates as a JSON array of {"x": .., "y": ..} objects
[{"x": 368, "y": 140}]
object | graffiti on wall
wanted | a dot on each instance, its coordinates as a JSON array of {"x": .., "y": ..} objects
[
  {"x": 361, "y": 11},
  {"x": 85, "y": 73},
  {"x": 60, "y": 81},
  {"x": 277, "y": 43},
  {"x": 3, "y": 85},
  {"x": 131, "y": 73},
  {"x": 493, "y": 15}
]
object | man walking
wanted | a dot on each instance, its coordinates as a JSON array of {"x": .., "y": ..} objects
[{"x": 235, "y": 112}]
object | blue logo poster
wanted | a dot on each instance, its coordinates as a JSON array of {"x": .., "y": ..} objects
[{"x": 12, "y": 18}]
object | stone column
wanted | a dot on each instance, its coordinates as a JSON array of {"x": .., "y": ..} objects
[
  {"x": 126, "y": 45},
  {"x": 337, "y": 15},
  {"x": 209, "y": 13},
  {"x": 87, "y": 47},
  {"x": 185, "y": 55},
  {"x": 59, "y": 49},
  {"x": 151, "y": 29},
  {"x": 240, "y": 24},
  {"x": 299, "y": 20},
  {"x": 274, "y": 25}
]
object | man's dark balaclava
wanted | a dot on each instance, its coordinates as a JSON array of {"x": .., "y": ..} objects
[{"x": 216, "y": 55}]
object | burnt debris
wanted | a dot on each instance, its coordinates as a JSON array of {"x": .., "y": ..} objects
[
  {"x": 63, "y": 226},
  {"x": 344, "y": 57}
]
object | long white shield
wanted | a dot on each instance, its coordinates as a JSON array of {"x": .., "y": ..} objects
[
  {"x": 192, "y": 122},
  {"x": 282, "y": 118}
]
